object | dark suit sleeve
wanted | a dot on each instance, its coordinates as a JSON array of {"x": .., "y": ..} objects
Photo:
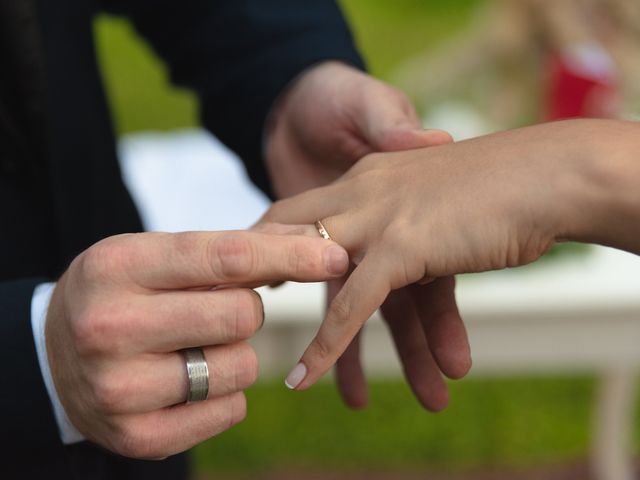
[
  {"x": 238, "y": 55},
  {"x": 27, "y": 415}
]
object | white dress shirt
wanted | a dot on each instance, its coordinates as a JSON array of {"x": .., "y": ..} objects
[{"x": 39, "y": 307}]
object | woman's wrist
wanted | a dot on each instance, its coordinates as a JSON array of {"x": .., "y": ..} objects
[
  {"x": 602, "y": 184},
  {"x": 552, "y": 158}
]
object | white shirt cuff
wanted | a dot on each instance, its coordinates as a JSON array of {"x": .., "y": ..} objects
[{"x": 39, "y": 307}]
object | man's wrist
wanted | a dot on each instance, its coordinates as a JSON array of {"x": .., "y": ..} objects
[{"x": 39, "y": 308}]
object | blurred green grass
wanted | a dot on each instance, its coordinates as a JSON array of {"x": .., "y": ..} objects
[{"x": 509, "y": 422}]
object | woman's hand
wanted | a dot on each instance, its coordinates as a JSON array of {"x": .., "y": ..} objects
[
  {"x": 484, "y": 204},
  {"x": 328, "y": 119}
]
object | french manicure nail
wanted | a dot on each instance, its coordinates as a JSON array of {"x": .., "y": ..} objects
[
  {"x": 296, "y": 376},
  {"x": 336, "y": 260}
]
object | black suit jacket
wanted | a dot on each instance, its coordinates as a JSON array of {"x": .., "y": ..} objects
[{"x": 60, "y": 186}]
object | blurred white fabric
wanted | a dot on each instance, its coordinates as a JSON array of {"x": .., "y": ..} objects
[{"x": 187, "y": 180}]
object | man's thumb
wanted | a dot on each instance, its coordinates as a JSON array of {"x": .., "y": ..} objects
[
  {"x": 409, "y": 138},
  {"x": 388, "y": 122}
]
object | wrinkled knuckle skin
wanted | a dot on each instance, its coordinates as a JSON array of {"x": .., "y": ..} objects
[
  {"x": 321, "y": 350},
  {"x": 132, "y": 442},
  {"x": 97, "y": 331},
  {"x": 340, "y": 311},
  {"x": 259, "y": 311},
  {"x": 232, "y": 256},
  {"x": 403, "y": 101},
  {"x": 110, "y": 393},
  {"x": 237, "y": 411},
  {"x": 102, "y": 260},
  {"x": 90, "y": 333},
  {"x": 249, "y": 313},
  {"x": 183, "y": 243},
  {"x": 246, "y": 367},
  {"x": 305, "y": 261}
]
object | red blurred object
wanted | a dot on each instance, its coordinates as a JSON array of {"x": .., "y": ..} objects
[{"x": 576, "y": 88}]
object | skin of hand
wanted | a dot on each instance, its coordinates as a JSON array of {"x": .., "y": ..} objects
[
  {"x": 329, "y": 118},
  {"x": 124, "y": 309},
  {"x": 484, "y": 204}
]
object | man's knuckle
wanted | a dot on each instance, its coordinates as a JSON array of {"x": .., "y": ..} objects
[
  {"x": 89, "y": 331},
  {"x": 232, "y": 256},
  {"x": 303, "y": 261},
  {"x": 91, "y": 264},
  {"x": 181, "y": 245},
  {"x": 402, "y": 100},
  {"x": 110, "y": 392},
  {"x": 246, "y": 367},
  {"x": 103, "y": 259},
  {"x": 82, "y": 334},
  {"x": 258, "y": 311},
  {"x": 134, "y": 442},
  {"x": 237, "y": 410},
  {"x": 100, "y": 331},
  {"x": 248, "y": 313}
]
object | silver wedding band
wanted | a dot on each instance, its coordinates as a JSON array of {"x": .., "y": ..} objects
[
  {"x": 198, "y": 374},
  {"x": 322, "y": 231}
]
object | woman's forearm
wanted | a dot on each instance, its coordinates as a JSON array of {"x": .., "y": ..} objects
[{"x": 606, "y": 189}]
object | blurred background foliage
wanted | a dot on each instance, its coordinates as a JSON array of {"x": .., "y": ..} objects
[
  {"x": 387, "y": 32},
  {"x": 512, "y": 423},
  {"x": 504, "y": 422}
]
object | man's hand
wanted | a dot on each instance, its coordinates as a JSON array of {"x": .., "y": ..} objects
[
  {"x": 125, "y": 308},
  {"x": 332, "y": 116}
]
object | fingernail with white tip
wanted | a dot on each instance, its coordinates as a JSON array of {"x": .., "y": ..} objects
[{"x": 296, "y": 376}]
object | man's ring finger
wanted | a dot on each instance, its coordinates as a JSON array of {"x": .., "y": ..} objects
[{"x": 197, "y": 373}]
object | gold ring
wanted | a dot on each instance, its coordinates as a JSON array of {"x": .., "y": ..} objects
[{"x": 322, "y": 231}]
